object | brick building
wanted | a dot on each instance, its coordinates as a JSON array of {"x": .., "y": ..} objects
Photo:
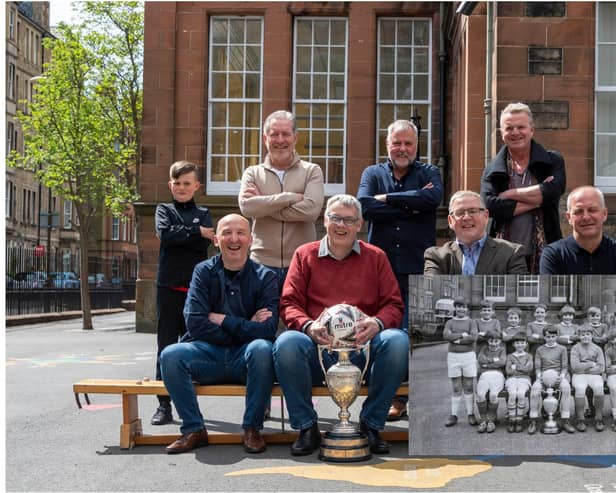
[
  {"x": 214, "y": 70},
  {"x": 38, "y": 224}
]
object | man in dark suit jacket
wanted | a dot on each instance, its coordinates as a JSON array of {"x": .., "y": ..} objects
[{"x": 473, "y": 251}]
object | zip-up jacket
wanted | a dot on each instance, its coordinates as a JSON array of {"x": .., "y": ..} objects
[
  {"x": 181, "y": 244},
  {"x": 252, "y": 288},
  {"x": 280, "y": 223}
]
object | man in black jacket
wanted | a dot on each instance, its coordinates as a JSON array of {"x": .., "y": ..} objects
[
  {"x": 522, "y": 186},
  {"x": 185, "y": 233}
]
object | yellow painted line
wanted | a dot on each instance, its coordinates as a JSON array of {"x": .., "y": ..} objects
[{"x": 409, "y": 473}]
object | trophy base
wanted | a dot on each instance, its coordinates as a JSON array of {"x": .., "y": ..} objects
[
  {"x": 550, "y": 429},
  {"x": 344, "y": 447}
]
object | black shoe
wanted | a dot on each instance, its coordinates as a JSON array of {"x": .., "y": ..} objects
[
  {"x": 163, "y": 415},
  {"x": 307, "y": 442},
  {"x": 377, "y": 444}
]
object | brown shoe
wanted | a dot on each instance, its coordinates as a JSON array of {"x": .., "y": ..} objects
[
  {"x": 253, "y": 441},
  {"x": 188, "y": 442},
  {"x": 397, "y": 410}
]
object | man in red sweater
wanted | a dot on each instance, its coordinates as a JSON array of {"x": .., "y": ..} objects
[{"x": 340, "y": 269}]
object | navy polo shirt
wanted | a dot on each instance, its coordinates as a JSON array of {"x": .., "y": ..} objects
[{"x": 567, "y": 257}]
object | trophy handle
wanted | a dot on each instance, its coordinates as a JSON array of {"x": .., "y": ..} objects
[
  {"x": 320, "y": 350},
  {"x": 366, "y": 350}
]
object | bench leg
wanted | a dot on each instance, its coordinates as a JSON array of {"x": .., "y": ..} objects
[
  {"x": 131, "y": 424},
  {"x": 282, "y": 412}
]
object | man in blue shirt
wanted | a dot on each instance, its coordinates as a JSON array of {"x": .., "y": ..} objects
[
  {"x": 587, "y": 250},
  {"x": 231, "y": 315},
  {"x": 473, "y": 251},
  {"x": 399, "y": 199}
]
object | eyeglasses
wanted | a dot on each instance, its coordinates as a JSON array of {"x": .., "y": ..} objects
[
  {"x": 348, "y": 221},
  {"x": 460, "y": 213}
]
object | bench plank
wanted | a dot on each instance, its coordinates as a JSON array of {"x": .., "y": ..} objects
[{"x": 131, "y": 430}]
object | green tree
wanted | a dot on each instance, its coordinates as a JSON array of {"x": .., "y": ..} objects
[{"x": 82, "y": 129}]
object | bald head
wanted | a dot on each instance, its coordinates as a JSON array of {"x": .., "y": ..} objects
[{"x": 231, "y": 218}]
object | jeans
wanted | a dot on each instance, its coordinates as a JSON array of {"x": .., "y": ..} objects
[
  {"x": 298, "y": 369},
  {"x": 250, "y": 364}
]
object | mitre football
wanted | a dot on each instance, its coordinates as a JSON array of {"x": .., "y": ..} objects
[{"x": 340, "y": 322}]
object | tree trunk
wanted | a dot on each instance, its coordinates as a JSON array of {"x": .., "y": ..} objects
[{"x": 85, "y": 287}]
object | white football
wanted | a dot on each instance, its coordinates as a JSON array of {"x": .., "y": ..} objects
[{"x": 340, "y": 321}]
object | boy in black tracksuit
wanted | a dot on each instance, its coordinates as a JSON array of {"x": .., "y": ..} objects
[{"x": 185, "y": 233}]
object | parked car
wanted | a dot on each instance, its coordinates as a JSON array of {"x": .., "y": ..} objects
[
  {"x": 98, "y": 280},
  {"x": 10, "y": 282},
  {"x": 64, "y": 280},
  {"x": 31, "y": 280}
]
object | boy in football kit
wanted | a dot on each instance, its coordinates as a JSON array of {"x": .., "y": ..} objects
[
  {"x": 587, "y": 366},
  {"x": 514, "y": 325},
  {"x": 567, "y": 330},
  {"x": 534, "y": 329},
  {"x": 491, "y": 360},
  {"x": 610, "y": 371},
  {"x": 551, "y": 367},
  {"x": 461, "y": 333},
  {"x": 486, "y": 322},
  {"x": 518, "y": 368}
]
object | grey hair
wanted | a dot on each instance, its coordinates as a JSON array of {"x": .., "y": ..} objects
[
  {"x": 279, "y": 115},
  {"x": 400, "y": 125},
  {"x": 584, "y": 188},
  {"x": 460, "y": 194},
  {"x": 518, "y": 108},
  {"x": 344, "y": 199}
]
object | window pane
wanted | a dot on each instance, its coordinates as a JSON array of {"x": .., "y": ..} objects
[
  {"x": 420, "y": 87},
  {"x": 320, "y": 59},
  {"x": 219, "y": 58},
  {"x": 218, "y": 165},
  {"x": 302, "y": 86},
  {"x": 420, "y": 60},
  {"x": 336, "y": 143},
  {"x": 404, "y": 60},
  {"x": 607, "y": 21},
  {"x": 236, "y": 114},
  {"x": 236, "y": 168},
  {"x": 253, "y": 58},
  {"x": 338, "y": 33},
  {"x": 606, "y": 155},
  {"x": 253, "y": 116},
  {"x": 235, "y": 140},
  {"x": 404, "y": 33},
  {"x": 387, "y": 60},
  {"x": 219, "y": 114},
  {"x": 319, "y": 116},
  {"x": 336, "y": 112},
  {"x": 319, "y": 89},
  {"x": 253, "y": 88},
  {"x": 304, "y": 32},
  {"x": 606, "y": 112},
  {"x": 253, "y": 31},
  {"x": 422, "y": 34},
  {"x": 335, "y": 171},
  {"x": 236, "y": 28},
  {"x": 219, "y": 141},
  {"x": 338, "y": 60},
  {"x": 336, "y": 87},
  {"x": 388, "y": 32},
  {"x": 251, "y": 144},
  {"x": 386, "y": 89},
  {"x": 304, "y": 59},
  {"x": 219, "y": 85},
  {"x": 236, "y": 85},
  {"x": 321, "y": 32},
  {"x": 219, "y": 31},
  {"x": 404, "y": 89},
  {"x": 607, "y": 59},
  {"x": 236, "y": 58}
]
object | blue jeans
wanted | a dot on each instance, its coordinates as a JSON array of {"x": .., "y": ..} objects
[
  {"x": 298, "y": 369},
  {"x": 249, "y": 364}
]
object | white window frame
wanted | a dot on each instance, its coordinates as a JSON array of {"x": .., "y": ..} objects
[
  {"x": 307, "y": 128},
  {"x": 559, "y": 283},
  {"x": 11, "y": 24},
  {"x": 397, "y": 102},
  {"x": 231, "y": 187},
  {"x": 10, "y": 191},
  {"x": 606, "y": 183},
  {"x": 495, "y": 282},
  {"x": 523, "y": 284},
  {"x": 115, "y": 228},
  {"x": 67, "y": 214},
  {"x": 10, "y": 133}
]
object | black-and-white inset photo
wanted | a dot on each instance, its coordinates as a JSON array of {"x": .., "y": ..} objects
[{"x": 512, "y": 365}]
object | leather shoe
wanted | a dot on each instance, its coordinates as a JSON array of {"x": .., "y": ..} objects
[
  {"x": 307, "y": 442},
  {"x": 451, "y": 420},
  {"x": 532, "y": 427},
  {"x": 599, "y": 425},
  {"x": 377, "y": 444},
  {"x": 163, "y": 415},
  {"x": 567, "y": 426},
  {"x": 581, "y": 425},
  {"x": 472, "y": 420},
  {"x": 188, "y": 442},
  {"x": 397, "y": 410},
  {"x": 253, "y": 441}
]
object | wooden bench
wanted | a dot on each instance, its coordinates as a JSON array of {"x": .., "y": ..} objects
[{"x": 131, "y": 431}]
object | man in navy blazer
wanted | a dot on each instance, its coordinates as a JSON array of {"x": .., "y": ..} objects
[{"x": 473, "y": 251}]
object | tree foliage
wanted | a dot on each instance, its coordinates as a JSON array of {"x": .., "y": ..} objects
[{"x": 82, "y": 129}]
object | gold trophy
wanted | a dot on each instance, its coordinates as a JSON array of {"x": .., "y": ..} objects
[
  {"x": 550, "y": 402},
  {"x": 344, "y": 443}
]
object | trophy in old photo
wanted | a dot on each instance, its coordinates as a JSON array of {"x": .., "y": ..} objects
[
  {"x": 550, "y": 402},
  {"x": 344, "y": 443}
]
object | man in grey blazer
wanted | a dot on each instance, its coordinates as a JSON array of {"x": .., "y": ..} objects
[{"x": 473, "y": 251}]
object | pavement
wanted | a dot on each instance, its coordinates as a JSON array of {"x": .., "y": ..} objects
[{"x": 51, "y": 445}]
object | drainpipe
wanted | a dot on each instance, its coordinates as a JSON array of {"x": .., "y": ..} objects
[
  {"x": 442, "y": 57},
  {"x": 487, "y": 102}
]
